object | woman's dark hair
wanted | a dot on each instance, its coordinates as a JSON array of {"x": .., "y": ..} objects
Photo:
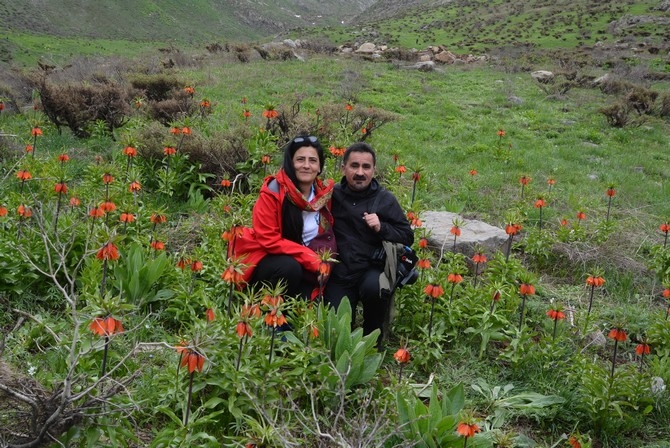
[{"x": 292, "y": 215}]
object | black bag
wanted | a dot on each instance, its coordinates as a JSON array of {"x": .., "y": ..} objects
[{"x": 407, "y": 273}]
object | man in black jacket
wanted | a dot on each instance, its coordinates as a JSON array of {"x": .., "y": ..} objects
[{"x": 362, "y": 222}]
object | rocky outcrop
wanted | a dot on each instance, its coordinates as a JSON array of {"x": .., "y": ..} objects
[{"x": 474, "y": 234}]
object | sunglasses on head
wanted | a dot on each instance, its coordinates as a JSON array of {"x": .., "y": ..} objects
[{"x": 311, "y": 139}]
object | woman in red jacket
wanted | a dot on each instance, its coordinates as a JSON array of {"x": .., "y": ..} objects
[{"x": 293, "y": 207}]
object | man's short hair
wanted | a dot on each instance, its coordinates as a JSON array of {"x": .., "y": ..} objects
[{"x": 359, "y": 147}]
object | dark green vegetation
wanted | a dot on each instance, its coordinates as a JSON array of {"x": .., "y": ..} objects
[{"x": 524, "y": 387}]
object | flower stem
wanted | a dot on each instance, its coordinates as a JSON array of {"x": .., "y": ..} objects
[
  {"x": 413, "y": 192},
  {"x": 239, "y": 355},
  {"x": 609, "y": 205},
  {"x": 553, "y": 337},
  {"x": 523, "y": 309},
  {"x": 540, "y": 218},
  {"x": 430, "y": 322},
  {"x": 272, "y": 344},
  {"x": 104, "y": 358},
  {"x": 188, "y": 401},
  {"x": 400, "y": 372},
  {"x": 476, "y": 274},
  {"x": 509, "y": 247},
  {"x": 616, "y": 344},
  {"x": 230, "y": 299},
  {"x": 641, "y": 361}
]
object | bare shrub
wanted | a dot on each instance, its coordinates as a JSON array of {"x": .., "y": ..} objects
[
  {"x": 79, "y": 106},
  {"x": 615, "y": 86},
  {"x": 319, "y": 46},
  {"x": 172, "y": 109},
  {"x": 617, "y": 115},
  {"x": 401, "y": 54},
  {"x": 641, "y": 99},
  {"x": 156, "y": 87},
  {"x": 275, "y": 53},
  {"x": 664, "y": 110}
]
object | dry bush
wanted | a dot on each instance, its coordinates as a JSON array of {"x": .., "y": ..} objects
[
  {"x": 318, "y": 46},
  {"x": 275, "y": 53},
  {"x": 172, "y": 109},
  {"x": 617, "y": 115},
  {"x": 641, "y": 99},
  {"x": 157, "y": 87},
  {"x": 615, "y": 86},
  {"x": 401, "y": 54},
  {"x": 664, "y": 110},
  {"x": 79, "y": 106}
]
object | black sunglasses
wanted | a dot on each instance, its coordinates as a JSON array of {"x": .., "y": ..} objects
[{"x": 311, "y": 139}]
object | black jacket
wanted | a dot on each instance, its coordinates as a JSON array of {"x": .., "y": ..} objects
[{"x": 356, "y": 242}]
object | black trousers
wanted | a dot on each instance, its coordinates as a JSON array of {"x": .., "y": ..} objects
[
  {"x": 273, "y": 269},
  {"x": 364, "y": 289}
]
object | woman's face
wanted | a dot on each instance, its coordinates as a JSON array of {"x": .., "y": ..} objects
[{"x": 306, "y": 165}]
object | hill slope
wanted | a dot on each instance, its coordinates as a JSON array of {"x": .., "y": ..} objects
[{"x": 171, "y": 20}]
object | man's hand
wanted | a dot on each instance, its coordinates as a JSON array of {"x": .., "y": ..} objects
[{"x": 372, "y": 220}]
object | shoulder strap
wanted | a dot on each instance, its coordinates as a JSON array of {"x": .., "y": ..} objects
[{"x": 375, "y": 203}]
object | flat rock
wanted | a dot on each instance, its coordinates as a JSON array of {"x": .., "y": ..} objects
[{"x": 474, "y": 233}]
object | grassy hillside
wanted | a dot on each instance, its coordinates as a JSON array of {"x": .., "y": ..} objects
[{"x": 483, "y": 25}]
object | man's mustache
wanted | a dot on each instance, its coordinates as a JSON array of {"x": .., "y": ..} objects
[{"x": 359, "y": 177}]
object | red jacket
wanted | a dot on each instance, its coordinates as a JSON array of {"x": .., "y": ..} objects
[{"x": 265, "y": 236}]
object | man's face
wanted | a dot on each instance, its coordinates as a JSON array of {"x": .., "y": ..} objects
[{"x": 359, "y": 170}]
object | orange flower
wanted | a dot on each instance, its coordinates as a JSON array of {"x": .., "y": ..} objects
[
  {"x": 189, "y": 90},
  {"x": 226, "y": 183},
  {"x": 526, "y": 289},
  {"x": 175, "y": 131},
  {"x": 250, "y": 310},
  {"x": 337, "y": 152},
  {"x": 349, "y": 107},
  {"x": 243, "y": 329},
  {"x": 467, "y": 429},
  {"x": 610, "y": 191},
  {"x": 186, "y": 130},
  {"x": 275, "y": 319},
  {"x": 270, "y": 113},
  {"x": 595, "y": 281},
  {"x": 107, "y": 179},
  {"x": 265, "y": 159},
  {"x": 210, "y": 315},
  {"x": 642, "y": 349},
  {"x": 235, "y": 231},
  {"x": 193, "y": 360},
  {"x": 36, "y": 132},
  {"x": 524, "y": 180},
  {"x": 108, "y": 252},
  {"x": 29, "y": 148},
  {"x": 574, "y": 443},
  {"x": 423, "y": 243},
  {"x": 581, "y": 215},
  {"x": 400, "y": 169},
  {"x": 232, "y": 275},
  {"x": 564, "y": 222},
  {"x": 402, "y": 356},
  {"x": 23, "y": 175},
  {"x": 63, "y": 158},
  {"x": 127, "y": 217},
  {"x": 246, "y": 114},
  {"x": 555, "y": 314},
  {"x": 501, "y": 132},
  {"x": 551, "y": 181},
  {"x": 423, "y": 263},
  {"x": 665, "y": 227},
  {"x": 196, "y": 266},
  {"x": 473, "y": 172},
  {"x": 181, "y": 264},
  {"x": 96, "y": 213},
  {"x": 3, "y": 211},
  {"x": 60, "y": 188},
  {"x": 666, "y": 293},
  {"x": 455, "y": 230},
  {"x": 479, "y": 258},
  {"x": 324, "y": 269},
  {"x": 540, "y": 203},
  {"x": 75, "y": 202},
  {"x": 157, "y": 245},
  {"x": 157, "y": 218},
  {"x": 169, "y": 150},
  {"x": 617, "y": 334},
  {"x": 512, "y": 229},
  {"x": 134, "y": 187},
  {"x": 107, "y": 206},
  {"x": 496, "y": 295},
  {"x": 416, "y": 176},
  {"x": 130, "y": 151},
  {"x": 106, "y": 326},
  {"x": 205, "y": 104},
  {"x": 433, "y": 290},
  {"x": 24, "y": 211},
  {"x": 454, "y": 278}
]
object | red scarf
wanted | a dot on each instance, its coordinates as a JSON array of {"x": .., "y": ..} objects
[{"x": 322, "y": 193}]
